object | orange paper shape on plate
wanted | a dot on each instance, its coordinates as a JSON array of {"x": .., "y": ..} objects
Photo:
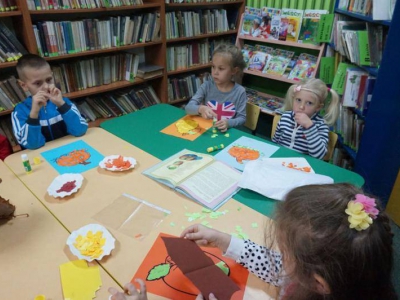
[
  {"x": 172, "y": 283},
  {"x": 203, "y": 126}
]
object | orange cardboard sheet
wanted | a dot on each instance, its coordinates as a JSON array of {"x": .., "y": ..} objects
[
  {"x": 188, "y": 127},
  {"x": 164, "y": 278}
]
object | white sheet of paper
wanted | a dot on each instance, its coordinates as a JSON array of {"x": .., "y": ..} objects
[
  {"x": 274, "y": 181},
  {"x": 296, "y": 162}
]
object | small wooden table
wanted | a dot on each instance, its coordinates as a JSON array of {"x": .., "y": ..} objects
[
  {"x": 101, "y": 187},
  {"x": 32, "y": 248}
]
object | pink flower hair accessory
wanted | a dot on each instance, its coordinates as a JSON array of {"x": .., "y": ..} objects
[
  {"x": 297, "y": 88},
  {"x": 361, "y": 212},
  {"x": 369, "y": 205}
]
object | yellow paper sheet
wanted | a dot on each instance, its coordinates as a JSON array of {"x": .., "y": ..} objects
[
  {"x": 202, "y": 126},
  {"x": 79, "y": 281}
]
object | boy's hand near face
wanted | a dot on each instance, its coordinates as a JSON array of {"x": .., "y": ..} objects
[
  {"x": 38, "y": 100},
  {"x": 55, "y": 95}
]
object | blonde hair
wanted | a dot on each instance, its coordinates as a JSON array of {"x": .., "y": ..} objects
[
  {"x": 320, "y": 90},
  {"x": 236, "y": 58}
]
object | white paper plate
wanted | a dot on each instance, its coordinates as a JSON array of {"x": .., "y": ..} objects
[
  {"x": 60, "y": 180},
  {"x": 107, "y": 248},
  {"x": 110, "y": 158}
]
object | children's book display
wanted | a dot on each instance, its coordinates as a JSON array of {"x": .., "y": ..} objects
[
  {"x": 176, "y": 268},
  {"x": 260, "y": 57},
  {"x": 243, "y": 150},
  {"x": 309, "y": 26},
  {"x": 279, "y": 62},
  {"x": 198, "y": 176},
  {"x": 305, "y": 67},
  {"x": 290, "y": 24},
  {"x": 267, "y": 104}
]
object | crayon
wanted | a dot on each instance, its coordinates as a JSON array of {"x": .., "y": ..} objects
[{"x": 215, "y": 148}]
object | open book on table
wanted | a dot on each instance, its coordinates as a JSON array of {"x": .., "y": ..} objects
[{"x": 198, "y": 176}]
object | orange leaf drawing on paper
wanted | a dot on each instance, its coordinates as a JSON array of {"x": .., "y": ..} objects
[
  {"x": 242, "y": 153},
  {"x": 119, "y": 163},
  {"x": 74, "y": 158},
  {"x": 295, "y": 167}
]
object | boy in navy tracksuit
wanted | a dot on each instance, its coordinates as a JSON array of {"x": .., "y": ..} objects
[{"x": 46, "y": 115}]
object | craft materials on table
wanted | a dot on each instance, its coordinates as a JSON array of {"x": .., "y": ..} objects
[
  {"x": 26, "y": 163},
  {"x": 76, "y": 157},
  {"x": 117, "y": 163},
  {"x": 132, "y": 216},
  {"x": 91, "y": 242},
  {"x": 65, "y": 185},
  {"x": 243, "y": 150},
  {"x": 165, "y": 277},
  {"x": 188, "y": 128},
  {"x": 215, "y": 148}
]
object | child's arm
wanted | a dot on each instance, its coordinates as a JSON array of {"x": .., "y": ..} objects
[
  {"x": 27, "y": 130},
  {"x": 192, "y": 108},
  {"x": 76, "y": 125},
  {"x": 277, "y": 134},
  {"x": 246, "y": 252},
  {"x": 317, "y": 137}
]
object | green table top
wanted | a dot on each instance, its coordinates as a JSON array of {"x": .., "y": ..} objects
[{"x": 142, "y": 129}]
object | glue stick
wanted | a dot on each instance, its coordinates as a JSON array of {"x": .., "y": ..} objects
[
  {"x": 215, "y": 148},
  {"x": 214, "y": 130},
  {"x": 26, "y": 163}
]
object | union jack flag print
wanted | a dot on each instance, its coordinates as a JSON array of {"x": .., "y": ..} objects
[{"x": 224, "y": 111}]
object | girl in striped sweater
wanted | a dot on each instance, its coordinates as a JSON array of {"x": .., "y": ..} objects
[{"x": 301, "y": 127}]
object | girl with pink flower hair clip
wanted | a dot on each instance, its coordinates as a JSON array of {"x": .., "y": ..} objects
[
  {"x": 301, "y": 126},
  {"x": 317, "y": 256}
]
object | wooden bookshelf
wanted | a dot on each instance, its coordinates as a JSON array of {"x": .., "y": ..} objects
[
  {"x": 202, "y": 4},
  {"x": 8, "y": 64},
  {"x": 243, "y": 38},
  {"x": 6, "y": 112},
  {"x": 92, "y": 10},
  {"x": 10, "y": 14},
  {"x": 202, "y": 36},
  {"x": 190, "y": 69},
  {"x": 177, "y": 101},
  {"x": 269, "y": 76}
]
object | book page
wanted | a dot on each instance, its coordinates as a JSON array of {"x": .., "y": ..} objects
[
  {"x": 180, "y": 166},
  {"x": 212, "y": 184}
]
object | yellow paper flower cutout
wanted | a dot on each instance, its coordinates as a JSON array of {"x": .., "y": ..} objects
[
  {"x": 358, "y": 218},
  {"x": 187, "y": 126}
]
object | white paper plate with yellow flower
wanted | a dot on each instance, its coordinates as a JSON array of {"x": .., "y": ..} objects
[{"x": 91, "y": 242}]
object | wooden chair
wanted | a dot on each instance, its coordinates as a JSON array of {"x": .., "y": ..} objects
[
  {"x": 331, "y": 141},
  {"x": 252, "y": 114}
]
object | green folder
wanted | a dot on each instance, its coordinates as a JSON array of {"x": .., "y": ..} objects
[
  {"x": 277, "y": 4},
  {"x": 340, "y": 78},
  {"x": 256, "y": 3},
  {"x": 292, "y": 4},
  {"x": 327, "y": 69},
  {"x": 363, "y": 47},
  {"x": 285, "y": 4},
  {"x": 263, "y": 3},
  {"x": 325, "y": 28},
  {"x": 317, "y": 4},
  {"x": 270, "y": 3},
  {"x": 301, "y": 4},
  {"x": 327, "y": 4}
]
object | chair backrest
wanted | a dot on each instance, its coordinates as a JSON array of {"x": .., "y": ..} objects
[
  {"x": 331, "y": 145},
  {"x": 252, "y": 114},
  {"x": 274, "y": 124},
  {"x": 331, "y": 141}
]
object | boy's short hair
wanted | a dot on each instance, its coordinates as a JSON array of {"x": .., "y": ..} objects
[{"x": 30, "y": 60}]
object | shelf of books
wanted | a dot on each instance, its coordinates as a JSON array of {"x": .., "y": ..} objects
[
  {"x": 92, "y": 9},
  {"x": 180, "y": 4},
  {"x": 369, "y": 51}
]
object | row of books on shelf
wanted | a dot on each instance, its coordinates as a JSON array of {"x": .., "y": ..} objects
[
  {"x": 293, "y": 25},
  {"x": 279, "y": 62},
  {"x": 377, "y": 9},
  {"x": 8, "y": 5},
  {"x": 10, "y": 48},
  {"x": 267, "y": 104},
  {"x": 66, "y": 37},
  {"x": 78, "y": 4},
  {"x": 11, "y": 93},
  {"x": 96, "y": 71},
  {"x": 117, "y": 104},
  {"x": 350, "y": 127},
  {"x": 198, "y": 22},
  {"x": 355, "y": 85},
  {"x": 361, "y": 42},
  {"x": 183, "y": 88},
  {"x": 295, "y": 4},
  {"x": 192, "y": 54}
]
